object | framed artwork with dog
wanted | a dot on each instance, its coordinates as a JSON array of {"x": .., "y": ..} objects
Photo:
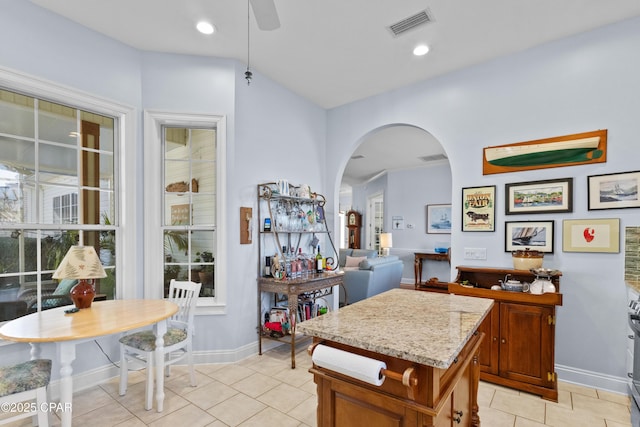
[{"x": 479, "y": 208}]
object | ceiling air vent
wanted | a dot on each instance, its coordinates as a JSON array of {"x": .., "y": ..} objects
[
  {"x": 413, "y": 21},
  {"x": 433, "y": 158}
]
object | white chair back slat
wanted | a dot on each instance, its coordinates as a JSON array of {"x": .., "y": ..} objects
[{"x": 185, "y": 295}]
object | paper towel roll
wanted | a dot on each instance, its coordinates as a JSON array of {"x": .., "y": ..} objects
[{"x": 353, "y": 365}]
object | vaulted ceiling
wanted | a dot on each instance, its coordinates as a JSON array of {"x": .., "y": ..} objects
[{"x": 333, "y": 52}]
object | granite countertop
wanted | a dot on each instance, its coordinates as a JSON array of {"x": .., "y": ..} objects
[{"x": 424, "y": 327}]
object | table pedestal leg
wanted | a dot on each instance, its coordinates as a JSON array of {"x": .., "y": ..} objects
[
  {"x": 66, "y": 355},
  {"x": 161, "y": 329},
  {"x": 36, "y": 351},
  {"x": 417, "y": 270}
]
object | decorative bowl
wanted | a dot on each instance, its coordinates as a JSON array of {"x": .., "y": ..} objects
[{"x": 527, "y": 259}]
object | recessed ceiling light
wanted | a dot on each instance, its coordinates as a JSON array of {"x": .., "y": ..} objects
[
  {"x": 421, "y": 50},
  {"x": 205, "y": 27}
]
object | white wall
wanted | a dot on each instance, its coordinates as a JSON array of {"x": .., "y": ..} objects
[
  {"x": 578, "y": 84},
  {"x": 406, "y": 194}
]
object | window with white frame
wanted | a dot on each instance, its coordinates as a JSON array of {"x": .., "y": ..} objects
[
  {"x": 65, "y": 209},
  {"x": 184, "y": 204},
  {"x": 190, "y": 206},
  {"x": 57, "y": 189}
]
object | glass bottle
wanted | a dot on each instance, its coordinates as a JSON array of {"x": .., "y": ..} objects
[{"x": 319, "y": 266}]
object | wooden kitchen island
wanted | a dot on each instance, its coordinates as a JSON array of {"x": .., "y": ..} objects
[{"x": 429, "y": 343}]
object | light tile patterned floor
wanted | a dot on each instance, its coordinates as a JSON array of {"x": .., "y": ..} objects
[{"x": 263, "y": 391}]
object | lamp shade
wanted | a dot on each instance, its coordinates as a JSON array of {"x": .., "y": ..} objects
[
  {"x": 386, "y": 240},
  {"x": 81, "y": 263}
]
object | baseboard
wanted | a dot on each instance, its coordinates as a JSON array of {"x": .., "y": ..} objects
[
  {"x": 94, "y": 377},
  {"x": 592, "y": 379}
]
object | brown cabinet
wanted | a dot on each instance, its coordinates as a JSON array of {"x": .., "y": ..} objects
[
  {"x": 518, "y": 350},
  {"x": 441, "y": 397}
]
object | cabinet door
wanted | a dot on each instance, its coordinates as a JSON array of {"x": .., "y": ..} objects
[
  {"x": 444, "y": 417},
  {"x": 346, "y": 405},
  {"x": 462, "y": 400},
  {"x": 526, "y": 343},
  {"x": 457, "y": 409},
  {"x": 490, "y": 347}
]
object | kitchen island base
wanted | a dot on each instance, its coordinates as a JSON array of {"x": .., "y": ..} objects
[{"x": 413, "y": 394}]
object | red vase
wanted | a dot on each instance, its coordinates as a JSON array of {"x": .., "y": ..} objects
[{"x": 82, "y": 294}]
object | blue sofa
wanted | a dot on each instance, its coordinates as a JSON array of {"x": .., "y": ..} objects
[{"x": 370, "y": 276}]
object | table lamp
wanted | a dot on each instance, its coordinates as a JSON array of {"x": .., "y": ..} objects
[
  {"x": 81, "y": 263},
  {"x": 386, "y": 242}
]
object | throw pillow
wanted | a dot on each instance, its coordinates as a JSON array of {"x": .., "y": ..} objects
[
  {"x": 64, "y": 287},
  {"x": 354, "y": 261}
]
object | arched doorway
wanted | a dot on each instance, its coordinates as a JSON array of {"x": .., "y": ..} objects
[{"x": 408, "y": 169}]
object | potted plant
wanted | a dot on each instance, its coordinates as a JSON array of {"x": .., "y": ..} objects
[
  {"x": 206, "y": 272},
  {"x": 107, "y": 242},
  {"x": 170, "y": 272}
]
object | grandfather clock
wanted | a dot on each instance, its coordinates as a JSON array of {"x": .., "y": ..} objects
[{"x": 354, "y": 223}]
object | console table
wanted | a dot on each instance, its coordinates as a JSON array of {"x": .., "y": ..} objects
[{"x": 417, "y": 266}]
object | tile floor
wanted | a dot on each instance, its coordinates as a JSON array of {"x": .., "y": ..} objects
[{"x": 263, "y": 391}]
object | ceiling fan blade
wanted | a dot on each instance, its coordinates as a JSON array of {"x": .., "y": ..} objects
[{"x": 266, "y": 14}]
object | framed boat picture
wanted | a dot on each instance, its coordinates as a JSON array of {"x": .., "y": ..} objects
[
  {"x": 614, "y": 191},
  {"x": 439, "y": 219},
  {"x": 479, "y": 208},
  {"x": 568, "y": 150},
  {"x": 534, "y": 197},
  {"x": 534, "y": 235}
]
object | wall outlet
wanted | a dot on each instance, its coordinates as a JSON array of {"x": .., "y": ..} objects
[
  {"x": 475, "y": 253},
  {"x": 410, "y": 226}
]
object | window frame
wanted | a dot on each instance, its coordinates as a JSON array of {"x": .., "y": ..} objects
[
  {"x": 125, "y": 166},
  {"x": 153, "y": 197}
]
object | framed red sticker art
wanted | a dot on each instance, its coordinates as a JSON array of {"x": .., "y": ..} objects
[{"x": 591, "y": 235}]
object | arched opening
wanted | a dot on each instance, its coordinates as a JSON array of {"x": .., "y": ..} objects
[{"x": 405, "y": 168}]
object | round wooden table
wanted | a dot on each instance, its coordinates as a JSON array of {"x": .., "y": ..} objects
[{"x": 102, "y": 318}]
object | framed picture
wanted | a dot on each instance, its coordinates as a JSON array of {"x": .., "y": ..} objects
[
  {"x": 591, "y": 235},
  {"x": 536, "y": 235},
  {"x": 439, "y": 219},
  {"x": 614, "y": 190},
  {"x": 549, "y": 196},
  {"x": 479, "y": 208},
  {"x": 180, "y": 214},
  {"x": 567, "y": 150},
  {"x": 397, "y": 222}
]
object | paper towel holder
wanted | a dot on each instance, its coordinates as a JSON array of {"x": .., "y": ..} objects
[{"x": 408, "y": 378}]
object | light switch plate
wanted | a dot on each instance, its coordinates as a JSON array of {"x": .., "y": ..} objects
[{"x": 475, "y": 253}]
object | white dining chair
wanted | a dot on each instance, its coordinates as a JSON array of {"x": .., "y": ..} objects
[
  {"x": 26, "y": 382},
  {"x": 141, "y": 345}
]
